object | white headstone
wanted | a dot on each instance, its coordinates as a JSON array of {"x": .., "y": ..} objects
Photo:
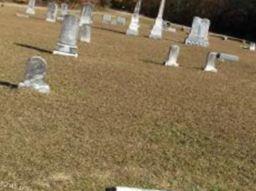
[
  {"x": 34, "y": 75},
  {"x": 85, "y": 33},
  {"x": 134, "y": 25},
  {"x": 210, "y": 62},
  {"x": 86, "y": 14},
  {"x": 106, "y": 19},
  {"x": 31, "y": 7},
  {"x": 173, "y": 56},
  {"x": 199, "y": 32},
  {"x": 63, "y": 11},
  {"x": 52, "y": 12},
  {"x": 67, "y": 44},
  {"x": 157, "y": 31}
]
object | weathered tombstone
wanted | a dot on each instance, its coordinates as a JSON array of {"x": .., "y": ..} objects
[
  {"x": 225, "y": 38},
  {"x": 31, "y": 7},
  {"x": 52, "y": 12},
  {"x": 252, "y": 46},
  {"x": 134, "y": 25},
  {"x": 34, "y": 75},
  {"x": 210, "y": 62},
  {"x": 106, "y": 19},
  {"x": 121, "y": 20},
  {"x": 67, "y": 44},
  {"x": 86, "y": 14},
  {"x": 85, "y": 33},
  {"x": 199, "y": 32},
  {"x": 157, "y": 30},
  {"x": 63, "y": 11},
  {"x": 173, "y": 56}
]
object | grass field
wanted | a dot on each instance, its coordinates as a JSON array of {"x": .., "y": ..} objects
[{"x": 117, "y": 116}]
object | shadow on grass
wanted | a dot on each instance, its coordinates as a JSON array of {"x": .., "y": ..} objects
[
  {"x": 108, "y": 29},
  {"x": 153, "y": 62},
  {"x": 33, "y": 47},
  {"x": 8, "y": 85}
]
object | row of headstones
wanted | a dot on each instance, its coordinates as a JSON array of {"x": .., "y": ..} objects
[
  {"x": 36, "y": 67},
  {"x": 109, "y": 19},
  {"x": 211, "y": 60}
]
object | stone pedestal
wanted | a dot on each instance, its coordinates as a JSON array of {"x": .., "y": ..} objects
[{"x": 67, "y": 44}]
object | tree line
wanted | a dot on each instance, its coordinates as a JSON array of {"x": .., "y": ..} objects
[{"x": 231, "y": 17}]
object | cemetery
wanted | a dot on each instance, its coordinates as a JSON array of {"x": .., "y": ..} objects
[{"x": 96, "y": 99}]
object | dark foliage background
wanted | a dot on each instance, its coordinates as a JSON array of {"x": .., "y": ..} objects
[{"x": 232, "y": 17}]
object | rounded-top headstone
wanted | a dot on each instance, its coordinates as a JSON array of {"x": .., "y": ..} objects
[{"x": 36, "y": 68}]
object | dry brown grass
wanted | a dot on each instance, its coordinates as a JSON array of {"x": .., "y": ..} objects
[{"x": 116, "y": 116}]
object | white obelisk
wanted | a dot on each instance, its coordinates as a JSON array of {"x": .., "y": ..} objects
[{"x": 157, "y": 31}]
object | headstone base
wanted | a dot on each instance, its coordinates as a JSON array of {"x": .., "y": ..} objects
[
  {"x": 197, "y": 41},
  {"x": 50, "y": 20},
  {"x": 133, "y": 29},
  {"x": 37, "y": 85},
  {"x": 65, "y": 50}
]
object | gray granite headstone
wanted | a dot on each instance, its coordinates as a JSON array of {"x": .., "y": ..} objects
[
  {"x": 199, "y": 32},
  {"x": 31, "y": 7},
  {"x": 85, "y": 33},
  {"x": 86, "y": 14},
  {"x": 67, "y": 44},
  {"x": 34, "y": 75},
  {"x": 52, "y": 12},
  {"x": 173, "y": 56}
]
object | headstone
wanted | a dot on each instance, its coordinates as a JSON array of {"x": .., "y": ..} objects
[
  {"x": 157, "y": 31},
  {"x": 133, "y": 29},
  {"x": 225, "y": 38},
  {"x": 210, "y": 62},
  {"x": 31, "y": 7},
  {"x": 52, "y": 12},
  {"x": 85, "y": 33},
  {"x": 173, "y": 56},
  {"x": 86, "y": 14},
  {"x": 252, "y": 46},
  {"x": 34, "y": 75},
  {"x": 67, "y": 44},
  {"x": 106, "y": 19},
  {"x": 121, "y": 20},
  {"x": 199, "y": 32},
  {"x": 63, "y": 11}
]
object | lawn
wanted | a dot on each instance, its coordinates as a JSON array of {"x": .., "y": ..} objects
[{"x": 117, "y": 116}]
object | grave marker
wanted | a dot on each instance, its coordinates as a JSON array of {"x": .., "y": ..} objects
[
  {"x": 173, "y": 56},
  {"x": 199, "y": 32},
  {"x": 86, "y": 14},
  {"x": 67, "y": 44},
  {"x": 157, "y": 31},
  {"x": 52, "y": 12},
  {"x": 34, "y": 75},
  {"x": 31, "y": 7}
]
